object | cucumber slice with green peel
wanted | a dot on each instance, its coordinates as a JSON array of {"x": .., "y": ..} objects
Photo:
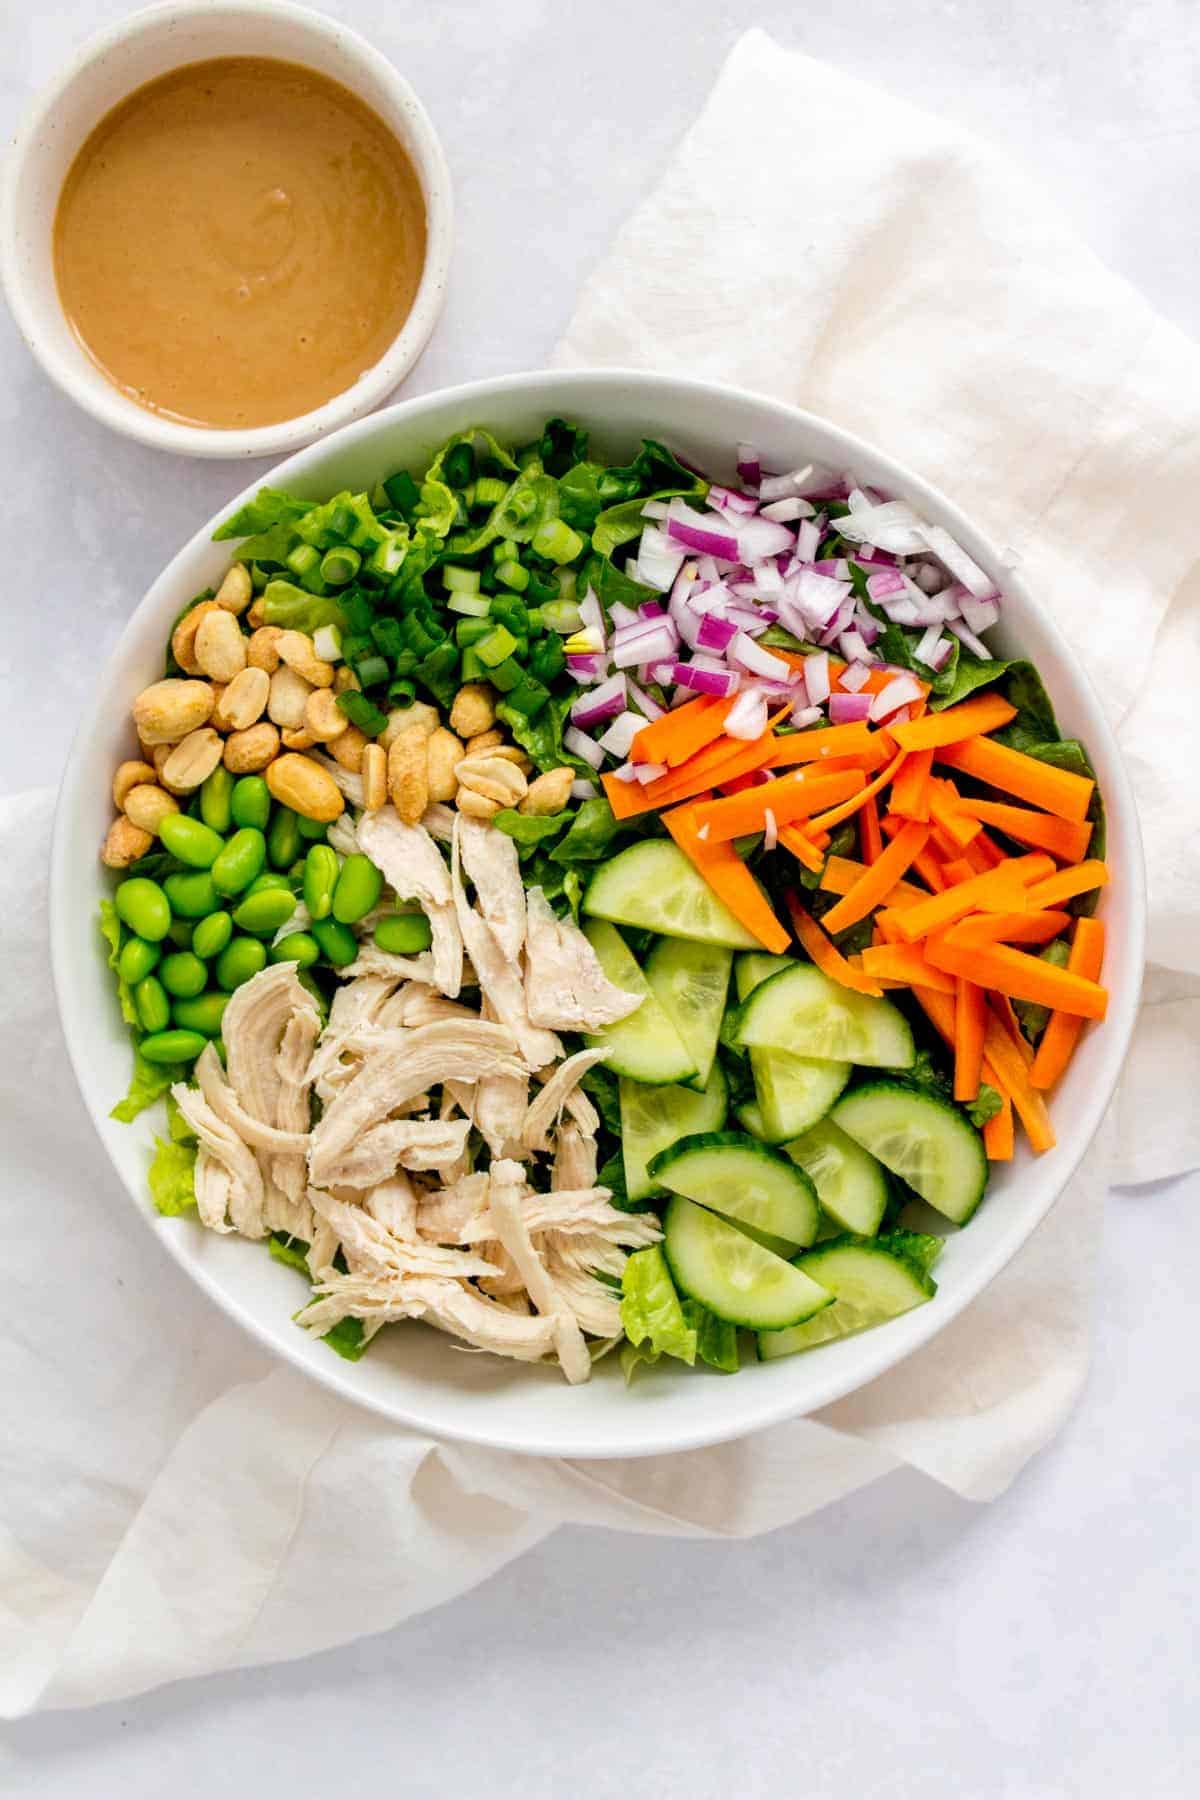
[
  {"x": 749, "y": 1117},
  {"x": 929, "y": 1142},
  {"x": 776, "y": 1245},
  {"x": 871, "y": 1281},
  {"x": 654, "y": 887},
  {"x": 737, "y": 1176},
  {"x": 793, "y": 1091},
  {"x": 850, "y": 1184},
  {"x": 806, "y": 1012},
  {"x": 690, "y": 981},
  {"x": 752, "y": 970},
  {"x": 653, "y": 1118},
  {"x": 739, "y": 1281},
  {"x": 644, "y": 1045}
]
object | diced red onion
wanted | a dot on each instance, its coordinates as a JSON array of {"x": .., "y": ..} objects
[
  {"x": 808, "y": 541},
  {"x": 933, "y": 649},
  {"x": 659, "y": 560},
  {"x": 791, "y": 507},
  {"x": 650, "y": 709},
  {"x": 759, "y": 538},
  {"x": 697, "y": 532},
  {"x": 980, "y": 615},
  {"x": 645, "y": 773},
  {"x": 650, "y": 609},
  {"x": 627, "y": 771},
  {"x": 650, "y": 641},
  {"x": 849, "y": 709},
  {"x": 715, "y": 633},
  {"x": 721, "y": 682},
  {"x": 802, "y": 716},
  {"x": 865, "y": 625},
  {"x": 897, "y": 693},
  {"x": 816, "y": 678},
  {"x": 749, "y": 464},
  {"x": 853, "y": 647},
  {"x": 967, "y": 638},
  {"x": 603, "y": 703},
  {"x": 884, "y": 583},
  {"x": 841, "y": 621},
  {"x": 592, "y": 615},
  {"x": 902, "y": 717},
  {"x": 902, "y": 611},
  {"x": 586, "y": 669},
  {"x": 893, "y": 526},
  {"x": 854, "y": 677},
  {"x": 728, "y": 500},
  {"x": 620, "y": 614},
  {"x": 785, "y": 487},
  {"x": 585, "y": 748},
  {"x": 583, "y": 790},
  {"x": 744, "y": 653},
  {"x": 618, "y": 739},
  {"x": 961, "y": 566},
  {"x": 661, "y": 673},
  {"x": 747, "y": 717},
  {"x": 928, "y": 577},
  {"x": 654, "y": 509}
]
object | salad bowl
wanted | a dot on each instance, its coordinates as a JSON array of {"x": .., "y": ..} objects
[{"x": 417, "y": 1377}]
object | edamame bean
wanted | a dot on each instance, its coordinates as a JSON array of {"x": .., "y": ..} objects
[
  {"x": 268, "y": 883},
  {"x": 283, "y": 839},
  {"x": 192, "y": 896},
  {"x": 180, "y": 934},
  {"x": 203, "y": 1014},
  {"x": 404, "y": 934},
  {"x": 172, "y": 1046},
  {"x": 136, "y": 960},
  {"x": 240, "y": 861},
  {"x": 311, "y": 829},
  {"x": 240, "y": 959},
  {"x": 183, "y": 975},
  {"x": 320, "y": 879},
  {"x": 215, "y": 795},
  {"x": 358, "y": 889},
  {"x": 338, "y": 943},
  {"x": 143, "y": 906},
  {"x": 153, "y": 1007},
  {"x": 298, "y": 947},
  {"x": 212, "y": 934},
  {"x": 263, "y": 913},
  {"x": 250, "y": 803},
  {"x": 191, "y": 840}
]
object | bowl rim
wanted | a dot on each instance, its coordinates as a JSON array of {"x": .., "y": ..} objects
[
  {"x": 377, "y": 382},
  {"x": 924, "y": 1323}
]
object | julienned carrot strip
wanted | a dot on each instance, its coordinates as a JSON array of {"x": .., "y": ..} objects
[
  {"x": 826, "y": 954},
  {"x": 910, "y": 790},
  {"x": 970, "y": 719},
  {"x": 875, "y": 683},
  {"x": 1056, "y": 790},
  {"x": 1014, "y": 973},
  {"x": 958, "y": 869},
  {"x": 794, "y": 796},
  {"x": 944, "y": 846},
  {"x": 1068, "y": 883},
  {"x": 998, "y": 1133},
  {"x": 879, "y": 879},
  {"x": 680, "y": 734},
  {"x": 903, "y": 963},
  {"x": 946, "y": 809},
  {"x": 722, "y": 760},
  {"x": 841, "y": 872},
  {"x": 836, "y": 740},
  {"x": 870, "y": 838},
  {"x": 985, "y": 852},
  {"x": 627, "y": 798},
  {"x": 1062, "y": 1029},
  {"x": 1061, "y": 837},
  {"x": 1012, "y": 1074},
  {"x": 1010, "y": 928},
  {"x": 970, "y": 1023},
  {"x": 926, "y": 864},
  {"x": 806, "y": 853},
  {"x": 836, "y": 814},
  {"x": 729, "y": 878},
  {"x": 1002, "y": 1006},
  {"x": 1000, "y": 890}
]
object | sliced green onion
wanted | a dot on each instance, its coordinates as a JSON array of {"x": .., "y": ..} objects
[
  {"x": 489, "y": 490},
  {"x": 387, "y": 557},
  {"x": 471, "y": 631},
  {"x": 496, "y": 647},
  {"x": 472, "y": 606},
  {"x": 555, "y": 540},
  {"x": 567, "y": 588},
  {"x": 459, "y": 580},
  {"x": 402, "y": 491},
  {"x": 458, "y": 466},
  {"x": 340, "y": 565},
  {"x": 472, "y": 668},
  {"x": 561, "y": 615},
  {"x": 387, "y": 635},
  {"x": 528, "y": 697},
  {"x": 505, "y": 676},
  {"x": 327, "y": 642},
  {"x": 401, "y": 692},
  {"x": 362, "y": 712},
  {"x": 371, "y": 671},
  {"x": 513, "y": 575},
  {"x": 303, "y": 558}
]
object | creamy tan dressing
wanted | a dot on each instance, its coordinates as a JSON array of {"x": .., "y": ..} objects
[{"x": 238, "y": 241}]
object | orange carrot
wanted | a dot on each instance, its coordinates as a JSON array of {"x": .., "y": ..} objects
[
  {"x": 875, "y": 683},
  {"x": 790, "y": 797},
  {"x": 879, "y": 879},
  {"x": 841, "y": 872},
  {"x": 904, "y": 964},
  {"x": 957, "y": 870},
  {"x": 1012, "y": 1078},
  {"x": 1014, "y": 973},
  {"x": 970, "y": 1023},
  {"x": 998, "y": 1133},
  {"x": 1000, "y": 890},
  {"x": 869, "y": 836},
  {"x": 836, "y": 814},
  {"x": 1062, "y": 1031},
  {"x": 985, "y": 851},
  {"x": 677, "y": 735},
  {"x": 1002, "y": 1006},
  {"x": 729, "y": 878},
  {"x": 856, "y": 740},
  {"x": 720, "y": 761},
  {"x": 987, "y": 712},
  {"x": 910, "y": 790},
  {"x": 793, "y": 838},
  {"x": 946, "y": 808},
  {"x": 1010, "y": 928},
  {"x": 1061, "y": 837},
  {"x": 826, "y": 954},
  {"x": 1056, "y": 790},
  {"x": 1068, "y": 883}
]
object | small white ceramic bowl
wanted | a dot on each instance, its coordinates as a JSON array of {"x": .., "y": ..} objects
[
  {"x": 413, "y": 1374},
  {"x": 108, "y": 68}
]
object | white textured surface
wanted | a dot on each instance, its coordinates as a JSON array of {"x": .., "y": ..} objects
[{"x": 908, "y": 1643}]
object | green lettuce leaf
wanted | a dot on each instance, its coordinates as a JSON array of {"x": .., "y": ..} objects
[
  {"x": 268, "y": 507},
  {"x": 617, "y": 525},
  {"x": 346, "y": 1337},
  {"x": 528, "y": 830},
  {"x": 592, "y": 831},
  {"x": 611, "y": 1175},
  {"x": 296, "y": 610},
  {"x": 110, "y": 931},
  {"x": 270, "y": 546},
  {"x": 610, "y": 584},
  {"x": 542, "y": 738},
  {"x": 962, "y": 675},
  {"x": 437, "y": 510},
  {"x": 148, "y": 1083},
  {"x": 172, "y": 1177},
  {"x": 1034, "y": 1018},
  {"x": 986, "y": 1104},
  {"x": 716, "y": 1339},
  {"x": 178, "y": 1127},
  {"x": 600, "y": 1086},
  {"x": 289, "y": 1250},
  {"x": 484, "y": 449},
  {"x": 651, "y": 1314},
  {"x": 324, "y": 525},
  {"x": 560, "y": 447}
]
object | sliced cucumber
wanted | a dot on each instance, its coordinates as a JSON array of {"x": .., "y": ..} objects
[
  {"x": 850, "y": 1184},
  {"x": 654, "y": 887},
  {"x": 749, "y": 1117},
  {"x": 806, "y": 1012},
  {"x": 793, "y": 1091},
  {"x": 871, "y": 1281},
  {"x": 927, "y": 1141},
  {"x": 735, "y": 1175},
  {"x": 690, "y": 981},
  {"x": 733, "y": 1276},
  {"x": 654, "y": 1117},
  {"x": 645, "y": 1045}
]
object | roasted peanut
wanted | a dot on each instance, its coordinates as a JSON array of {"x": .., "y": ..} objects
[
  {"x": 345, "y": 680},
  {"x": 257, "y": 614},
  {"x": 492, "y": 776},
  {"x": 549, "y": 793},
  {"x": 287, "y": 699},
  {"x": 128, "y": 775},
  {"x": 476, "y": 806},
  {"x": 302, "y": 784},
  {"x": 183, "y": 638},
  {"x": 296, "y": 650},
  {"x": 147, "y": 805},
  {"x": 192, "y": 761},
  {"x": 248, "y": 752},
  {"x": 124, "y": 844},
  {"x": 417, "y": 717},
  {"x": 484, "y": 740},
  {"x": 262, "y": 651},
  {"x": 167, "y": 710},
  {"x": 408, "y": 774},
  {"x": 235, "y": 592},
  {"x": 514, "y": 754},
  {"x": 243, "y": 701},
  {"x": 374, "y": 777},
  {"x": 297, "y": 740},
  {"x": 220, "y": 647},
  {"x": 347, "y": 750},
  {"x": 474, "y": 709},
  {"x": 443, "y": 753},
  {"x": 323, "y": 717}
]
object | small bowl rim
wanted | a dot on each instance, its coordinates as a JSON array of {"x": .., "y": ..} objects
[{"x": 114, "y": 409}]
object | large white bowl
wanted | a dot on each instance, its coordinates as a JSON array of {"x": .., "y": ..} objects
[{"x": 413, "y": 1374}]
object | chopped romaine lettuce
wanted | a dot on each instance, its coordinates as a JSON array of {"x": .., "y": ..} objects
[
  {"x": 172, "y": 1177},
  {"x": 651, "y": 1313}
]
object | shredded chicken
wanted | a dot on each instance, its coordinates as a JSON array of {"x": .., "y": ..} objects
[
  {"x": 565, "y": 987},
  {"x": 413, "y": 866},
  {"x": 504, "y": 1204},
  {"x": 553, "y": 1096},
  {"x": 490, "y": 859},
  {"x": 499, "y": 978},
  {"x": 574, "y": 1157},
  {"x": 407, "y": 1143}
]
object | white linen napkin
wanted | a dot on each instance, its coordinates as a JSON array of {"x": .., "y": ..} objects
[{"x": 172, "y": 1501}]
